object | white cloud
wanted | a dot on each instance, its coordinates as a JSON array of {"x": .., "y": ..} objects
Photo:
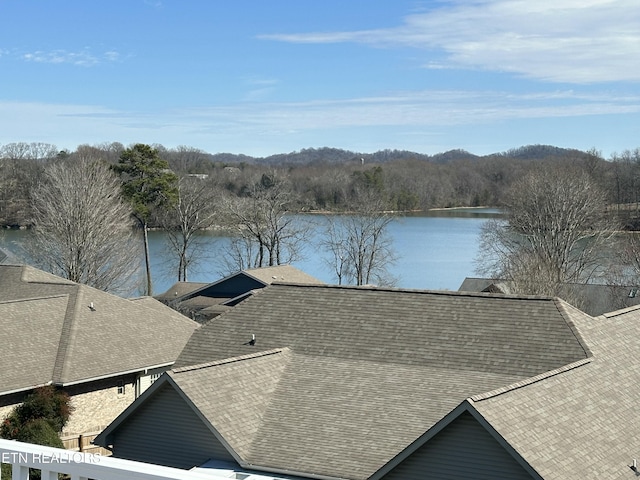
[
  {"x": 252, "y": 123},
  {"x": 575, "y": 41},
  {"x": 112, "y": 56},
  {"x": 84, "y": 58},
  {"x": 259, "y": 89}
]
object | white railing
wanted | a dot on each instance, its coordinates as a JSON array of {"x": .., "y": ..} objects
[{"x": 83, "y": 466}]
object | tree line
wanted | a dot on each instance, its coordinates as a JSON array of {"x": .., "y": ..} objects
[
  {"x": 79, "y": 203},
  {"x": 329, "y": 179}
]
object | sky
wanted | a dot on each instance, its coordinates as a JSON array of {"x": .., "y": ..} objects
[{"x": 260, "y": 77}]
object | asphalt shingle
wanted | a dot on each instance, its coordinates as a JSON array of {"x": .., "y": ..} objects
[
  {"x": 362, "y": 370},
  {"x": 95, "y": 334},
  {"x": 509, "y": 335},
  {"x": 581, "y": 422}
]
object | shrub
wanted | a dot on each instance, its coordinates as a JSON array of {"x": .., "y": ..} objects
[
  {"x": 39, "y": 419},
  {"x": 40, "y": 432},
  {"x": 48, "y": 403}
]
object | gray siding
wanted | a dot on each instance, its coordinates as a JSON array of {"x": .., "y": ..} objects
[
  {"x": 231, "y": 287},
  {"x": 166, "y": 431},
  {"x": 462, "y": 450}
]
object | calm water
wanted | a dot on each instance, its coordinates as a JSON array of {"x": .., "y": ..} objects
[{"x": 434, "y": 250}]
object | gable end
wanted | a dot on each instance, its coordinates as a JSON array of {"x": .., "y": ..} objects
[{"x": 463, "y": 449}]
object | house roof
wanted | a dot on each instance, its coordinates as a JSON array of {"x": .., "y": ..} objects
[
  {"x": 281, "y": 410},
  {"x": 359, "y": 370},
  {"x": 574, "y": 422},
  {"x": 65, "y": 333},
  {"x": 180, "y": 289},
  {"x": 510, "y": 335},
  {"x": 282, "y": 273},
  {"x": 581, "y": 422},
  {"x": 593, "y": 299},
  {"x": 22, "y": 328},
  {"x": 186, "y": 291}
]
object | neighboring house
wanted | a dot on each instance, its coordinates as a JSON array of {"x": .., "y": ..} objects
[
  {"x": 367, "y": 383},
  {"x": 593, "y": 299},
  {"x": 101, "y": 349},
  {"x": 204, "y": 301}
]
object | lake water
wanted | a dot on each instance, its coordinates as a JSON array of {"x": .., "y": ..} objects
[{"x": 435, "y": 250}]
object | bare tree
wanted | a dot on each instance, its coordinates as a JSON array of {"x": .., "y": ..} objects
[
  {"x": 82, "y": 227},
  {"x": 556, "y": 232},
  {"x": 192, "y": 212},
  {"x": 359, "y": 244},
  {"x": 265, "y": 231},
  {"x": 36, "y": 151}
]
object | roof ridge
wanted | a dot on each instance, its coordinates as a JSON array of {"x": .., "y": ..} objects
[
  {"x": 59, "y": 365},
  {"x": 621, "y": 311},
  {"x": 530, "y": 380},
  {"x": 50, "y": 278},
  {"x": 225, "y": 361},
  {"x": 452, "y": 293},
  {"x": 563, "y": 308}
]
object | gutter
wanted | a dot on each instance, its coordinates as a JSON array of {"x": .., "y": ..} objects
[{"x": 117, "y": 374}]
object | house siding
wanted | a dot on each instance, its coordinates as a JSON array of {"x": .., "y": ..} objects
[
  {"x": 161, "y": 430},
  {"x": 462, "y": 450},
  {"x": 234, "y": 286},
  {"x": 96, "y": 404},
  {"x": 9, "y": 402}
]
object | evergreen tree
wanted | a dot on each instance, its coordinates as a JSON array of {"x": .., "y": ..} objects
[{"x": 147, "y": 184}]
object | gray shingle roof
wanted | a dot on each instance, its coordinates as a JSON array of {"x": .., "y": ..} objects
[
  {"x": 279, "y": 409},
  {"x": 282, "y": 273},
  {"x": 28, "y": 357},
  {"x": 360, "y": 370},
  {"x": 582, "y": 422},
  {"x": 364, "y": 370},
  {"x": 117, "y": 335},
  {"x": 180, "y": 289},
  {"x": 478, "y": 332},
  {"x": 593, "y": 299}
]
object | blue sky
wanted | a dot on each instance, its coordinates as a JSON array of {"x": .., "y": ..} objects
[{"x": 272, "y": 76}]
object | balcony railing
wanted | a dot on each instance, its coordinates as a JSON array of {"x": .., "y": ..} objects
[{"x": 83, "y": 466}]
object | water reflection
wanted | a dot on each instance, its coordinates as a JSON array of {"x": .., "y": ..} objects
[{"x": 436, "y": 250}]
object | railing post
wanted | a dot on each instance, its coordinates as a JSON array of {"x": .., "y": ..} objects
[
  {"x": 18, "y": 472},
  {"x": 48, "y": 475}
]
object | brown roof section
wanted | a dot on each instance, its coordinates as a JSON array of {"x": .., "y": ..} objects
[
  {"x": 282, "y": 273},
  {"x": 509, "y": 335},
  {"x": 95, "y": 334},
  {"x": 341, "y": 379},
  {"x": 592, "y": 298},
  {"x": 282, "y": 410},
  {"x": 580, "y": 422}
]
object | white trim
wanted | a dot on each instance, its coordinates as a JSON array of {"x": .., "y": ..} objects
[
  {"x": 111, "y": 375},
  {"x": 25, "y": 389}
]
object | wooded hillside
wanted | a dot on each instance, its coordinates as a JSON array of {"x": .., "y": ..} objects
[{"x": 330, "y": 178}]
